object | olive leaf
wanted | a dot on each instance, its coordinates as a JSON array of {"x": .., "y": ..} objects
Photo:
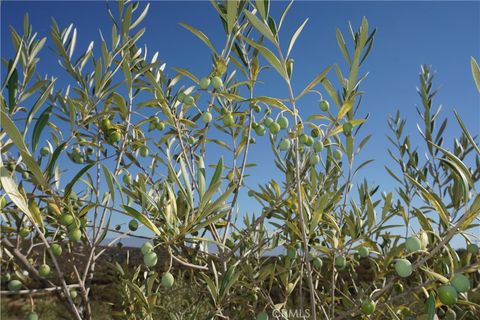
[
  {"x": 475, "y": 71},
  {"x": 260, "y": 26},
  {"x": 11, "y": 189},
  {"x": 14, "y": 134},
  {"x": 201, "y": 36}
]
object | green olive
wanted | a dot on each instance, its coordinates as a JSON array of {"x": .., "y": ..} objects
[
  {"x": 207, "y": 117},
  {"x": 228, "y": 120},
  {"x": 260, "y": 130},
  {"x": 363, "y": 252},
  {"x": 150, "y": 259},
  {"x": 284, "y": 145},
  {"x": 189, "y": 100},
  {"x": 44, "y": 270},
  {"x": 144, "y": 151},
  {"x": 167, "y": 280},
  {"x": 340, "y": 261},
  {"x": 262, "y": 316},
  {"x": 314, "y": 158},
  {"x": 66, "y": 219},
  {"x": 337, "y": 155},
  {"x": 133, "y": 225},
  {"x": 283, "y": 122},
  {"x": 24, "y": 232},
  {"x": 45, "y": 151},
  {"x": 268, "y": 121},
  {"x": 318, "y": 146},
  {"x": 217, "y": 83},
  {"x": 274, "y": 128},
  {"x": 324, "y": 105},
  {"x": 461, "y": 283},
  {"x": 31, "y": 316},
  {"x": 105, "y": 124},
  {"x": 147, "y": 247},
  {"x": 56, "y": 249},
  {"x": 413, "y": 244},
  {"x": 75, "y": 234},
  {"x": 368, "y": 307},
  {"x": 114, "y": 136},
  {"x": 204, "y": 83},
  {"x": 303, "y": 138},
  {"x": 403, "y": 267},
  {"x": 14, "y": 285},
  {"x": 448, "y": 295}
]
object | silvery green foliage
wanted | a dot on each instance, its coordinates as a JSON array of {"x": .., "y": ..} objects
[{"x": 137, "y": 138}]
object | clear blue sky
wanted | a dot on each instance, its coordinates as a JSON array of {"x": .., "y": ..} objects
[{"x": 442, "y": 34}]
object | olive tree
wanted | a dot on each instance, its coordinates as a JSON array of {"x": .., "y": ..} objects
[{"x": 140, "y": 137}]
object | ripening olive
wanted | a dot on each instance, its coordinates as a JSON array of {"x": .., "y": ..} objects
[
  {"x": 207, "y": 117},
  {"x": 144, "y": 151},
  {"x": 318, "y": 146},
  {"x": 274, "y": 128},
  {"x": 204, "y": 83},
  {"x": 150, "y": 259},
  {"x": 45, "y": 151},
  {"x": 324, "y": 105},
  {"x": 44, "y": 270},
  {"x": 147, "y": 247},
  {"x": 337, "y": 155},
  {"x": 284, "y": 145},
  {"x": 75, "y": 234},
  {"x": 217, "y": 83},
  {"x": 228, "y": 120},
  {"x": 56, "y": 249},
  {"x": 133, "y": 225},
  {"x": 189, "y": 100},
  {"x": 448, "y": 295},
  {"x": 283, "y": 122},
  {"x": 260, "y": 130},
  {"x": 167, "y": 280}
]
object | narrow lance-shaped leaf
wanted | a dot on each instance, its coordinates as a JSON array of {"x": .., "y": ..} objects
[
  {"x": 263, "y": 7},
  {"x": 430, "y": 307},
  {"x": 16, "y": 136},
  {"x": 39, "y": 125},
  {"x": 40, "y": 101},
  {"x": 201, "y": 36},
  {"x": 475, "y": 72},
  {"x": 231, "y": 14},
  {"x": 270, "y": 57},
  {"x": 11, "y": 189},
  {"x": 140, "y": 17},
  {"x": 218, "y": 173},
  {"x": 295, "y": 36},
  {"x": 319, "y": 78},
  {"x": 260, "y": 26},
  {"x": 71, "y": 184},
  {"x": 434, "y": 200},
  {"x": 467, "y": 133},
  {"x": 109, "y": 179},
  {"x": 342, "y": 46},
  {"x": 13, "y": 66},
  {"x": 12, "y": 90}
]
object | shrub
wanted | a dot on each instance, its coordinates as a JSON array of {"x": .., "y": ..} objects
[{"x": 125, "y": 114}]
